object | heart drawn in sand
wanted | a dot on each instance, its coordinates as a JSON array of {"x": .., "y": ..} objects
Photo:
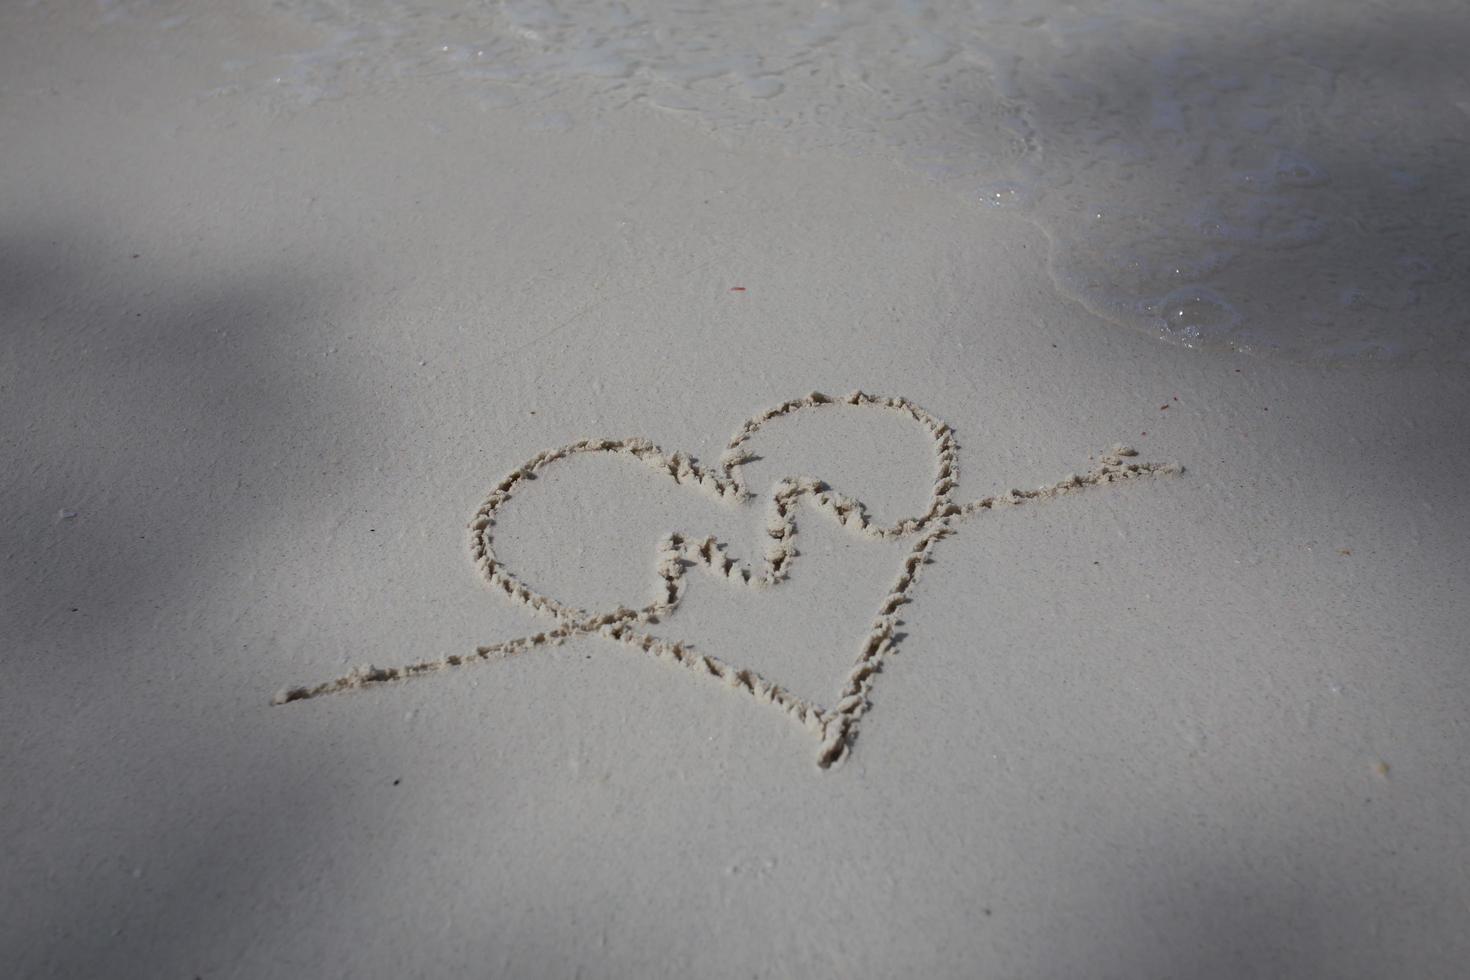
[{"x": 834, "y": 725}]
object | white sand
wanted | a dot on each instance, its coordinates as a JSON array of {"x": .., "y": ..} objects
[{"x": 261, "y": 362}]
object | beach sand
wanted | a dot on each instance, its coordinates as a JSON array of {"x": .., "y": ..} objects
[{"x": 262, "y": 361}]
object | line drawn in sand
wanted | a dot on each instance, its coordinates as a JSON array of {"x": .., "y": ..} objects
[{"x": 836, "y": 726}]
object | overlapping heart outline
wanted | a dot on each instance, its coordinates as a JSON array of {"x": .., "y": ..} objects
[{"x": 835, "y": 727}]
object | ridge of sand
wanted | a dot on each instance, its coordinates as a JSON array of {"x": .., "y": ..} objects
[{"x": 835, "y": 727}]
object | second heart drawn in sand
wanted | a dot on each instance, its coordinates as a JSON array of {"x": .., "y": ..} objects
[{"x": 835, "y": 726}]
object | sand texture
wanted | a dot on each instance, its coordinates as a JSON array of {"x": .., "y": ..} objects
[{"x": 383, "y": 592}]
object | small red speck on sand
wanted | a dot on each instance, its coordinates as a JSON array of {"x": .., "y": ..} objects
[{"x": 737, "y": 289}]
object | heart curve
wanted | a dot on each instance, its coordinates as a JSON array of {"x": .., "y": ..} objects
[{"x": 836, "y": 726}]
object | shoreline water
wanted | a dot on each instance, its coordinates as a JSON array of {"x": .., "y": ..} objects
[{"x": 1233, "y": 178}]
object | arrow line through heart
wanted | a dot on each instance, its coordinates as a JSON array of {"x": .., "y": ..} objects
[{"x": 835, "y": 727}]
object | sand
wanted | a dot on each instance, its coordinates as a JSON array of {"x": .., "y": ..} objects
[{"x": 263, "y": 362}]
